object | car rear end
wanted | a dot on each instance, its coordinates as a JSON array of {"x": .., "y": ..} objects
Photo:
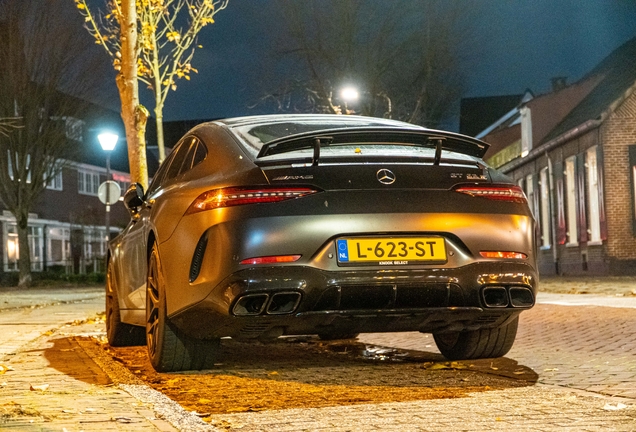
[{"x": 362, "y": 228}]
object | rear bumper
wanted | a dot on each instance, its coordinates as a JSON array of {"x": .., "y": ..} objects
[{"x": 274, "y": 301}]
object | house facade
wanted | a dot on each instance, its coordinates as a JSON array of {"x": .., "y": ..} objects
[
  {"x": 67, "y": 230},
  {"x": 573, "y": 151},
  {"x": 67, "y": 225}
]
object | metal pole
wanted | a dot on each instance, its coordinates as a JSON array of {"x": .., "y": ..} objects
[{"x": 107, "y": 198}]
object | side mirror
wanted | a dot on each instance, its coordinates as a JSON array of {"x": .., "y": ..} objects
[{"x": 134, "y": 199}]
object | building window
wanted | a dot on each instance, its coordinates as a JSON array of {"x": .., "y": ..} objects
[
  {"x": 13, "y": 248},
  {"x": 544, "y": 203},
  {"x": 59, "y": 246},
  {"x": 55, "y": 182},
  {"x": 570, "y": 202},
  {"x": 87, "y": 182},
  {"x": 594, "y": 220},
  {"x": 530, "y": 194},
  {"x": 10, "y": 167},
  {"x": 74, "y": 128}
]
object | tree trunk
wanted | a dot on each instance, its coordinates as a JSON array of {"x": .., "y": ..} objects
[
  {"x": 160, "y": 143},
  {"x": 133, "y": 114},
  {"x": 24, "y": 258}
]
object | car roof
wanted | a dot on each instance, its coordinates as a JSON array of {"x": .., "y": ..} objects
[{"x": 280, "y": 118}]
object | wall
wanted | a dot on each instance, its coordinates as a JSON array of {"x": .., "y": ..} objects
[{"x": 618, "y": 132}]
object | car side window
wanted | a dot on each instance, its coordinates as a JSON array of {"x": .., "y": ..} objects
[
  {"x": 196, "y": 155},
  {"x": 200, "y": 153},
  {"x": 158, "y": 178},
  {"x": 177, "y": 161},
  {"x": 187, "y": 161}
]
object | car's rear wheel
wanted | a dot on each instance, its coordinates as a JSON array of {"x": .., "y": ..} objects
[
  {"x": 484, "y": 343},
  {"x": 117, "y": 332},
  {"x": 169, "y": 349},
  {"x": 337, "y": 335}
]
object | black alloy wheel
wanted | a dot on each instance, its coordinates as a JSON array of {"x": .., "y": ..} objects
[{"x": 169, "y": 349}]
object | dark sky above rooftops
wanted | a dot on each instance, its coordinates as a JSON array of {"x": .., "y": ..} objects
[{"x": 516, "y": 44}]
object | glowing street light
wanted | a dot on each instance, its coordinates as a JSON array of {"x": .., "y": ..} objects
[
  {"x": 108, "y": 141},
  {"x": 349, "y": 94}
]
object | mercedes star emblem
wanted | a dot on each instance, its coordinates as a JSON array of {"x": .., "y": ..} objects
[{"x": 386, "y": 176}]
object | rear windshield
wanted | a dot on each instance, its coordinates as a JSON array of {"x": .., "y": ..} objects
[
  {"x": 255, "y": 135},
  {"x": 371, "y": 150}
]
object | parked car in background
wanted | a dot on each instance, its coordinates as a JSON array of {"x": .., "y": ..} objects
[{"x": 259, "y": 227}]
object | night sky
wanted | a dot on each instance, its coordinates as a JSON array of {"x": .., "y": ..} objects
[{"x": 516, "y": 44}]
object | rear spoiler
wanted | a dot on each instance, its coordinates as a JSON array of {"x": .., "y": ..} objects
[{"x": 426, "y": 138}]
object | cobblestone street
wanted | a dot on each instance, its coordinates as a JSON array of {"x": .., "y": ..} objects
[
  {"x": 580, "y": 350},
  {"x": 584, "y": 347}
]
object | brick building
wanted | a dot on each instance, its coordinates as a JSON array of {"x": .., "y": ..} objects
[
  {"x": 67, "y": 224},
  {"x": 573, "y": 150}
]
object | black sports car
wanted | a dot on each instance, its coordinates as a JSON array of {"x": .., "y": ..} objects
[{"x": 259, "y": 227}]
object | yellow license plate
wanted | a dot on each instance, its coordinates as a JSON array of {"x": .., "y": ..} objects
[{"x": 391, "y": 251}]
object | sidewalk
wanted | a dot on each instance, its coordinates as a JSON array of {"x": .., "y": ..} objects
[
  {"x": 616, "y": 286},
  {"x": 47, "y": 380},
  {"x": 13, "y": 297}
]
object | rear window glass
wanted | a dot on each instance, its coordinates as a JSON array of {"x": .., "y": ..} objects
[
  {"x": 255, "y": 135},
  {"x": 371, "y": 150}
]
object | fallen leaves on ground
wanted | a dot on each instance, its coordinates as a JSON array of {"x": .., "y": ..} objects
[
  {"x": 251, "y": 377},
  {"x": 12, "y": 410}
]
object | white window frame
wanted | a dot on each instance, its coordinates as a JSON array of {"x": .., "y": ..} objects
[
  {"x": 36, "y": 244},
  {"x": 530, "y": 194},
  {"x": 87, "y": 182},
  {"x": 544, "y": 202},
  {"x": 594, "y": 218},
  {"x": 55, "y": 182},
  {"x": 571, "y": 204},
  {"x": 10, "y": 167}
]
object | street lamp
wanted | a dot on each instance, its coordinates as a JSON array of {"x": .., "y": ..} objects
[
  {"x": 349, "y": 94},
  {"x": 108, "y": 141}
]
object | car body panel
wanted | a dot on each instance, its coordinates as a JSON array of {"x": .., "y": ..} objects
[{"x": 350, "y": 201}]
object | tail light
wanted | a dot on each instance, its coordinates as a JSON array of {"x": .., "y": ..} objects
[
  {"x": 276, "y": 259},
  {"x": 504, "y": 255},
  {"x": 230, "y": 197},
  {"x": 496, "y": 192}
]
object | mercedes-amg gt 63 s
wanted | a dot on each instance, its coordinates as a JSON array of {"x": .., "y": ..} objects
[{"x": 327, "y": 225}]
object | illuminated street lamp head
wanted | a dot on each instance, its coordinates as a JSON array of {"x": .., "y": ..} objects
[
  {"x": 349, "y": 94},
  {"x": 108, "y": 141}
]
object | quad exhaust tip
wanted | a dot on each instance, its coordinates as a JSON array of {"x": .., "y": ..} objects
[
  {"x": 279, "y": 303},
  {"x": 505, "y": 296}
]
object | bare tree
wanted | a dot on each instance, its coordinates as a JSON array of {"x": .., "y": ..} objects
[
  {"x": 402, "y": 56},
  {"x": 38, "y": 55},
  {"x": 121, "y": 43},
  {"x": 165, "y": 48}
]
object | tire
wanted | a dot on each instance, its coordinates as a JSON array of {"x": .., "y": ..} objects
[
  {"x": 169, "y": 349},
  {"x": 118, "y": 333},
  {"x": 484, "y": 343},
  {"x": 337, "y": 335}
]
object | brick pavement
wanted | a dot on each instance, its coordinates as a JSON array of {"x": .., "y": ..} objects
[
  {"x": 522, "y": 409},
  {"x": 71, "y": 393},
  {"x": 590, "y": 348}
]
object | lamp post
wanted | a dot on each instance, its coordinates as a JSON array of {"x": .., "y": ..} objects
[{"x": 108, "y": 141}]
